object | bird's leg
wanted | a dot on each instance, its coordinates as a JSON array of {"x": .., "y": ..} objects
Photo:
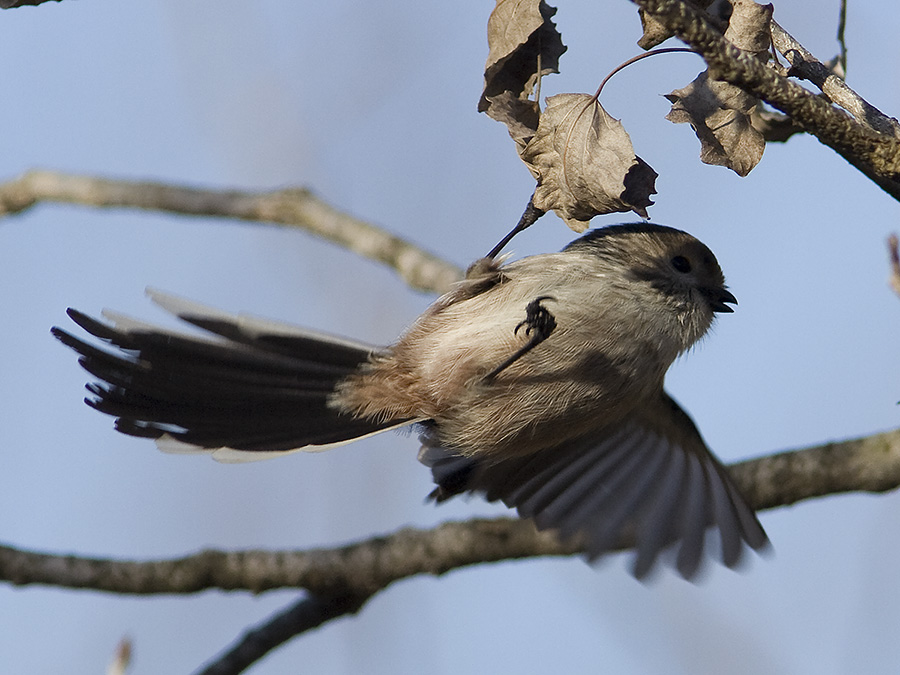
[{"x": 539, "y": 324}]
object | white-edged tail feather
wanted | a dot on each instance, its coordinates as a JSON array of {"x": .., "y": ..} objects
[{"x": 245, "y": 387}]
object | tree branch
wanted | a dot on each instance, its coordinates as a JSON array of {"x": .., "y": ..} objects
[
  {"x": 358, "y": 569},
  {"x": 341, "y": 580},
  {"x": 875, "y": 155},
  {"x": 291, "y": 207},
  {"x": 866, "y": 464},
  {"x": 306, "y": 614},
  {"x": 869, "y": 464}
]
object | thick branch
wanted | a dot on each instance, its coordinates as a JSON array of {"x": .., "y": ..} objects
[
  {"x": 876, "y": 155},
  {"x": 870, "y": 464},
  {"x": 867, "y": 464},
  {"x": 292, "y": 207},
  {"x": 358, "y": 569}
]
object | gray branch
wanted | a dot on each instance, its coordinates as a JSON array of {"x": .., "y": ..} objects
[
  {"x": 869, "y": 464},
  {"x": 339, "y": 581},
  {"x": 305, "y": 614},
  {"x": 290, "y": 207},
  {"x": 359, "y": 569}
]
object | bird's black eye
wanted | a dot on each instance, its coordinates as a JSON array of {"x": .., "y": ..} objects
[{"x": 681, "y": 264}]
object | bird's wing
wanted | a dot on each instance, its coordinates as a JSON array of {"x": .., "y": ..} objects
[{"x": 649, "y": 483}]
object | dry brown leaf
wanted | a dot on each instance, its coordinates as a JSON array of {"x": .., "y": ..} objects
[
  {"x": 749, "y": 27},
  {"x": 655, "y": 32},
  {"x": 520, "y": 116},
  {"x": 720, "y": 113},
  {"x": 584, "y": 163},
  {"x": 524, "y": 46}
]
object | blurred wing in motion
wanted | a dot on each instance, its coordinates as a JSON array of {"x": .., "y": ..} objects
[{"x": 649, "y": 483}]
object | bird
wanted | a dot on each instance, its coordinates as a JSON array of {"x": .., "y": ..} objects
[{"x": 537, "y": 382}]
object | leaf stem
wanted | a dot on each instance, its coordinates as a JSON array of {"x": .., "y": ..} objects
[{"x": 635, "y": 59}]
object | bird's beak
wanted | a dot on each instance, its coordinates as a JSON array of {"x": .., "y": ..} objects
[{"x": 717, "y": 299}]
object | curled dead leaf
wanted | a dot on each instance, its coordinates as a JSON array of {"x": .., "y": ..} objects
[
  {"x": 520, "y": 116},
  {"x": 720, "y": 116},
  {"x": 749, "y": 27},
  {"x": 655, "y": 32},
  {"x": 720, "y": 113},
  {"x": 524, "y": 46},
  {"x": 584, "y": 163}
]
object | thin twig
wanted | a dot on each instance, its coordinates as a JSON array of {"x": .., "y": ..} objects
[
  {"x": 806, "y": 66},
  {"x": 291, "y": 207},
  {"x": 306, "y": 614},
  {"x": 635, "y": 59},
  {"x": 842, "y": 26}
]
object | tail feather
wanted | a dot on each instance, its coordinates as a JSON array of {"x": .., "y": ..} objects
[
  {"x": 272, "y": 336},
  {"x": 251, "y": 385}
]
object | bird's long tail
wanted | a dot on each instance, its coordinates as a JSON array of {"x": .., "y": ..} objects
[{"x": 250, "y": 389}]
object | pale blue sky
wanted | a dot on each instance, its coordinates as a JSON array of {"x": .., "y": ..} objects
[{"x": 373, "y": 106}]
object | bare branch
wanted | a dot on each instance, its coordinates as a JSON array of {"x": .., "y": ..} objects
[
  {"x": 866, "y": 464},
  {"x": 869, "y": 464},
  {"x": 842, "y": 25},
  {"x": 292, "y": 207},
  {"x": 306, "y": 614},
  {"x": 359, "y": 569},
  {"x": 875, "y": 155},
  {"x": 341, "y": 580}
]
